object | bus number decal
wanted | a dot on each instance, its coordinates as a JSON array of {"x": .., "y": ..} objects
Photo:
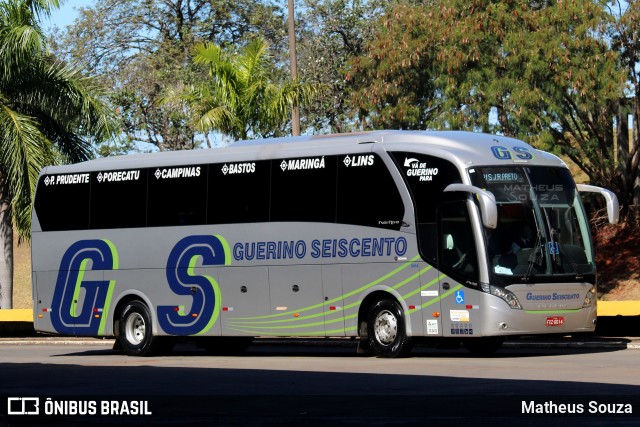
[
  {"x": 204, "y": 290},
  {"x": 65, "y": 317}
]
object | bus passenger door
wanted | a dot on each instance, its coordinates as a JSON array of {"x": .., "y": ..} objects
[
  {"x": 458, "y": 264},
  {"x": 296, "y": 301}
]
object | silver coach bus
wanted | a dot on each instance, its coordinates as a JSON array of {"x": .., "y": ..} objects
[{"x": 387, "y": 236}]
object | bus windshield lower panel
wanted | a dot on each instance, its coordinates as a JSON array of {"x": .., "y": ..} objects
[{"x": 542, "y": 227}]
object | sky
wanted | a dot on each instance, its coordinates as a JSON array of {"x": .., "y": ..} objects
[{"x": 66, "y": 14}]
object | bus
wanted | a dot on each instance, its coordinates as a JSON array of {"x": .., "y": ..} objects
[{"x": 385, "y": 236}]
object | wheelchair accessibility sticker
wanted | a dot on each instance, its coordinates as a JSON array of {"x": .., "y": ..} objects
[{"x": 459, "y": 297}]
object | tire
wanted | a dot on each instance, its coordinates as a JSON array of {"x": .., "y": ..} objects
[
  {"x": 386, "y": 330},
  {"x": 226, "y": 345},
  {"x": 483, "y": 347},
  {"x": 135, "y": 332}
]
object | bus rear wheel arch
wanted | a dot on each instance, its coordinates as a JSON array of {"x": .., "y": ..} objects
[
  {"x": 135, "y": 336},
  {"x": 383, "y": 328}
]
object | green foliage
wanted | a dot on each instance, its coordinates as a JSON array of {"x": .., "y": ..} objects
[
  {"x": 330, "y": 32},
  {"x": 143, "y": 50},
  {"x": 625, "y": 35},
  {"x": 539, "y": 71},
  {"x": 240, "y": 98},
  {"x": 49, "y": 112}
]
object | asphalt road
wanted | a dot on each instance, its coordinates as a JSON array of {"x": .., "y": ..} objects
[{"x": 276, "y": 384}]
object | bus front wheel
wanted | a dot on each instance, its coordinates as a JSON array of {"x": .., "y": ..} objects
[
  {"x": 135, "y": 336},
  {"x": 386, "y": 329}
]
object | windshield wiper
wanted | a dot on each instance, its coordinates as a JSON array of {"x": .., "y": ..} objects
[
  {"x": 538, "y": 250},
  {"x": 553, "y": 244},
  {"x": 535, "y": 256}
]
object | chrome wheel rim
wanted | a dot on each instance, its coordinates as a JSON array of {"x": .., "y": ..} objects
[
  {"x": 135, "y": 328},
  {"x": 385, "y": 327}
]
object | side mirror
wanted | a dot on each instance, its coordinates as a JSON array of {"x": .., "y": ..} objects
[
  {"x": 613, "y": 208},
  {"x": 488, "y": 207}
]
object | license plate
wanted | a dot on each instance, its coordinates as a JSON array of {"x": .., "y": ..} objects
[{"x": 555, "y": 321}]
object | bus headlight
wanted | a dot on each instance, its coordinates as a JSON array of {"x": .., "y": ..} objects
[
  {"x": 589, "y": 297},
  {"x": 504, "y": 294}
]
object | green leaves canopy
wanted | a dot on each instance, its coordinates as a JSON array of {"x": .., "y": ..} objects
[
  {"x": 241, "y": 98},
  {"x": 540, "y": 71},
  {"x": 47, "y": 109},
  {"x": 143, "y": 49}
]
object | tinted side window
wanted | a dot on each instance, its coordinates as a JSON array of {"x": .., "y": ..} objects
[
  {"x": 238, "y": 192},
  {"x": 304, "y": 189},
  {"x": 177, "y": 196},
  {"x": 367, "y": 194},
  {"x": 427, "y": 177},
  {"x": 457, "y": 249},
  {"x": 62, "y": 202},
  {"x": 118, "y": 199}
]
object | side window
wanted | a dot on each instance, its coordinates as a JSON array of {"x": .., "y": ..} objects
[
  {"x": 238, "y": 192},
  {"x": 427, "y": 177},
  {"x": 456, "y": 249},
  {"x": 304, "y": 189},
  {"x": 62, "y": 202},
  {"x": 118, "y": 199},
  {"x": 177, "y": 196},
  {"x": 367, "y": 194}
]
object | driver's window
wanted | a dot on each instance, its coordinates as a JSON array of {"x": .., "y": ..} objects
[{"x": 456, "y": 249}]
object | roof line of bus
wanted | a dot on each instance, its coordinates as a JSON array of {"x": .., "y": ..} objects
[{"x": 458, "y": 143}]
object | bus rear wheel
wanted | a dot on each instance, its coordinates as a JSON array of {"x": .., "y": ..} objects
[
  {"x": 386, "y": 331},
  {"x": 134, "y": 332}
]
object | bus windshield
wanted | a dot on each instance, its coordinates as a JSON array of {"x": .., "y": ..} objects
[{"x": 542, "y": 227}]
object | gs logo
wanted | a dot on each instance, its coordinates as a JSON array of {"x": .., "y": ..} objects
[
  {"x": 503, "y": 153},
  {"x": 73, "y": 311}
]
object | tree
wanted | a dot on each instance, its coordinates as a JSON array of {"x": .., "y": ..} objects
[
  {"x": 142, "y": 48},
  {"x": 625, "y": 33},
  {"x": 542, "y": 71},
  {"x": 241, "y": 98},
  {"x": 48, "y": 113},
  {"x": 331, "y": 32}
]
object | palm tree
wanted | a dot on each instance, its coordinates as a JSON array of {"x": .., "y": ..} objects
[
  {"x": 242, "y": 98},
  {"x": 49, "y": 113}
]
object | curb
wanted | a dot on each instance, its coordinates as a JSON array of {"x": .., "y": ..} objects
[
  {"x": 618, "y": 344},
  {"x": 16, "y": 315},
  {"x": 613, "y": 332}
]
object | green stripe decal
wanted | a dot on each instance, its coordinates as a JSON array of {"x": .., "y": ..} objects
[
  {"x": 227, "y": 249},
  {"x": 340, "y": 298},
  {"x": 242, "y": 321},
  {"x": 216, "y": 291},
  {"x": 110, "y": 290}
]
